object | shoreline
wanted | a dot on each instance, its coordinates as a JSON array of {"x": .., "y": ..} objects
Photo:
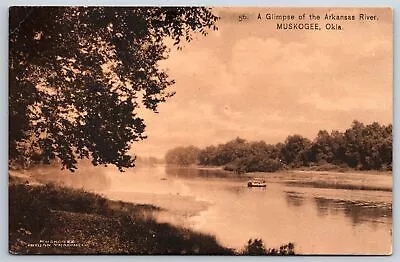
[
  {"x": 46, "y": 218},
  {"x": 43, "y": 215},
  {"x": 167, "y": 202},
  {"x": 315, "y": 169}
]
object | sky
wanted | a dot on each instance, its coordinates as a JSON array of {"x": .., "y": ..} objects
[{"x": 250, "y": 80}]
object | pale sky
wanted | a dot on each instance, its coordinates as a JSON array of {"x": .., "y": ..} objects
[{"x": 249, "y": 79}]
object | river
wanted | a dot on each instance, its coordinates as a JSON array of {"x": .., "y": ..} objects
[{"x": 320, "y": 212}]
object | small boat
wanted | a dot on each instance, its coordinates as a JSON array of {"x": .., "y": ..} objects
[{"x": 257, "y": 183}]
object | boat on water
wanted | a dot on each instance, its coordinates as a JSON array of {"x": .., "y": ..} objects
[{"x": 257, "y": 183}]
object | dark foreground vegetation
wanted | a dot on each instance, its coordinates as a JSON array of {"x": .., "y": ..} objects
[
  {"x": 58, "y": 85},
  {"x": 361, "y": 147},
  {"x": 49, "y": 219}
]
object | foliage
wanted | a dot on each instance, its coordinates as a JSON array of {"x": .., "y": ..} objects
[
  {"x": 50, "y": 212},
  {"x": 79, "y": 74},
  {"x": 182, "y": 156},
  {"x": 254, "y": 163},
  {"x": 256, "y": 247},
  {"x": 103, "y": 226},
  {"x": 361, "y": 146},
  {"x": 294, "y": 150}
]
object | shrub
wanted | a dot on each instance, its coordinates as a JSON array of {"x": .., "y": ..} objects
[{"x": 256, "y": 247}]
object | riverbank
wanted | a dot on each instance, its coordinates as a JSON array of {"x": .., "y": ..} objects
[
  {"x": 335, "y": 178},
  {"x": 352, "y": 180},
  {"x": 50, "y": 219},
  {"x": 321, "y": 177}
]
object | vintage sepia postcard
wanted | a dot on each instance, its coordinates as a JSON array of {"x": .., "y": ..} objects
[{"x": 200, "y": 130}]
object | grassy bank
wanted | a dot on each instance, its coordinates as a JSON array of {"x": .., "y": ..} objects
[{"x": 49, "y": 219}]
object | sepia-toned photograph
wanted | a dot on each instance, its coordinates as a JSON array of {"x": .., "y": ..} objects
[{"x": 183, "y": 130}]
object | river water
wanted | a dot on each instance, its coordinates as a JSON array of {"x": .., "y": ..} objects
[{"x": 320, "y": 212}]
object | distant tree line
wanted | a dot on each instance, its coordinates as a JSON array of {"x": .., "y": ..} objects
[
  {"x": 363, "y": 147},
  {"x": 183, "y": 156}
]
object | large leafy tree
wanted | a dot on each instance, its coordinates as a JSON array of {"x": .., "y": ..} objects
[
  {"x": 77, "y": 76},
  {"x": 294, "y": 151},
  {"x": 321, "y": 150}
]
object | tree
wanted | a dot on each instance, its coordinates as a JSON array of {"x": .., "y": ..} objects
[
  {"x": 232, "y": 150},
  {"x": 255, "y": 247},
  {"x": 321, "y": 150},
  {"x": 361, "y": 146},
  {"x": 338, "y": 147},
  {"x": 386, "y": 147},
  {"x": 294, "y": 150},
  {"x": 354, "y": 152},
  {"x": 183, "y": 156},
  {"x": 375, "y": 147},
  {"x": 79, "y": 74},
  {"x": 207, "y": 156}
]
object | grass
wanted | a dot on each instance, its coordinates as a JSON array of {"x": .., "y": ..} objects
[
  {"x": 50, "y": 219},
  {"x": 44, "y": 218}
]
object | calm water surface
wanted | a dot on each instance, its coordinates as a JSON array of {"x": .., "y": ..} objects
[{"x": 320, "y": 213}]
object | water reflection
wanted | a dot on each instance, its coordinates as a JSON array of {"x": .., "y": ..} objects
[
  {"x": 218, "y": 202},
  {"x": 323, "y": 206},
  {"x": 358, "y": 211},
  {"x": 294, "y": 199},
  {"x": 198, "y": 173},
  {"x": 336, "y": 185}
]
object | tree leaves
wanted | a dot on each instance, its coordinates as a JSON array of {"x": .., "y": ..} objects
[
  {"x": 79, "y": 74},
  {"x": 360, "y": 146}
]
